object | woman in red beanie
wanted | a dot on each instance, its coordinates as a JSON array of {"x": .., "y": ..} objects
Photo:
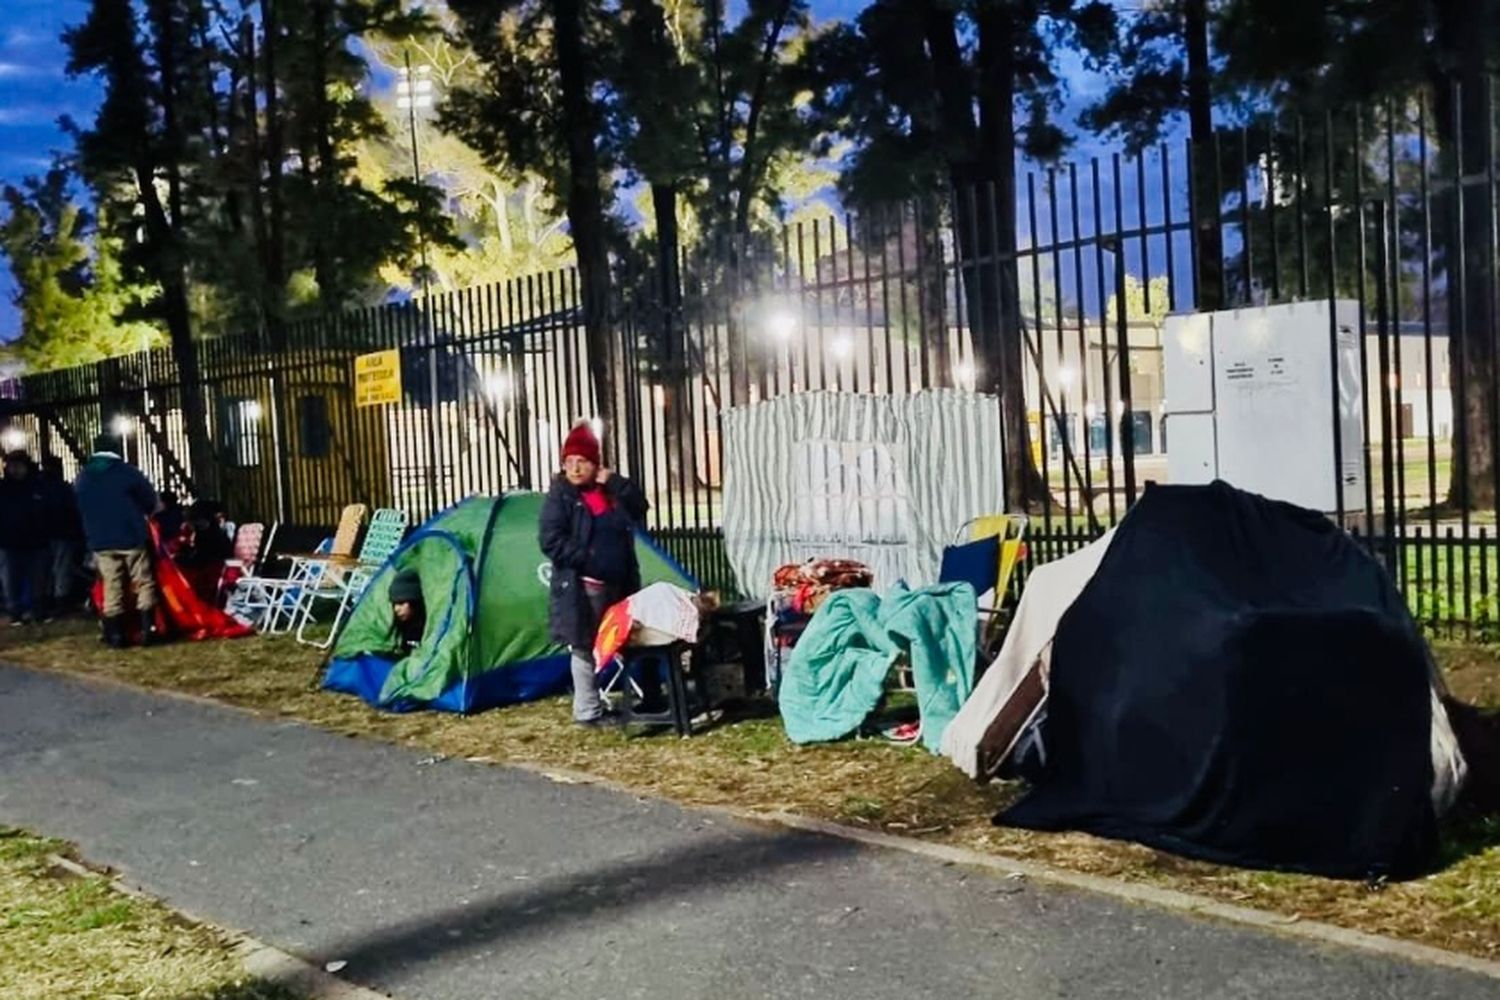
[{"x": 588, "y": 528}]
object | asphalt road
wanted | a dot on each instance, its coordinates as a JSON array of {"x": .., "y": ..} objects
[{"x": 440, "y": 880}]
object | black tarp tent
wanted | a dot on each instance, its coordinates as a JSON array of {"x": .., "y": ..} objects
[{"x": 1239, "y": 681}]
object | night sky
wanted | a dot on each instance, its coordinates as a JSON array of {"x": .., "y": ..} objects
[{"x": 35, "y": 92}]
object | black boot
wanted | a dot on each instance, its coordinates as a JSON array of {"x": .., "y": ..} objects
[
  {"x": 149, "y": 635},
  {"x": 113, "y": 632}
]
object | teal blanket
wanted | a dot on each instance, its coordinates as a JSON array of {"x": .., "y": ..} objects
[{"x": 838, "y": 669}]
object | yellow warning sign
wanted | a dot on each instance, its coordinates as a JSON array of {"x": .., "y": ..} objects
[{"x": 377, "y": 378}]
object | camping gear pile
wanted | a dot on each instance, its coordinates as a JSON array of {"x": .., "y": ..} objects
[
  {"x": 485, "y": 587},
  {"x": 797, "y": 591}
]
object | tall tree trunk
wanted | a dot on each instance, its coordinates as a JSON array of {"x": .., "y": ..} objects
[
  {"x": 676, "y": 367},
  {"x": 269, "y": 306},
  {"x": 325, "y": 267},
  {"x": 167, "y": 252},
  {"x": 500, "y": 204},
  {"x": 1209, "y": 244},
  {"x": 1465, "y": 118},
  {"x": 585, "y": 199},
  {"x": 275, "y": 152},
  {"x": 985, "y": 184},
  {"x": 165, "y": 226},
  {"x": 751, "y": 162},
  {"x": 936, "y": 366}
]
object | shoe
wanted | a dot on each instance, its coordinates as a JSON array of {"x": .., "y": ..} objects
[
  {"x": 149, "y": 635},
  {"x": 606, "y": 720},
  {"x": 113, "y": 632}
]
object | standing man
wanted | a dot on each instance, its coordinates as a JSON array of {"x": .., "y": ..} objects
[
  {"x": 64, "y": 533},
  {"x": 23, "y": 537},
  {"x": 115, "y": 500}
]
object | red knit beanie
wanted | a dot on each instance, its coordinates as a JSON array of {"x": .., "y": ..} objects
[{"x": 581, "y": 442}]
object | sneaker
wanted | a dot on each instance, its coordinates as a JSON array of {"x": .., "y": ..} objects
[{"x": 608, "y": 719}]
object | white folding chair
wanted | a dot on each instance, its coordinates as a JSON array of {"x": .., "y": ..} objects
[{"x": 344, "y": 581}]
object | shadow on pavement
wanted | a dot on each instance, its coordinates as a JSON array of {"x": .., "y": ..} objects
[{"x": 533, "y": 908}]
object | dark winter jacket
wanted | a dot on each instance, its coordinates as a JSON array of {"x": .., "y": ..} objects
[
  {"x": 23, "y": 513},
  {"x": 578, "y": 542},
  {"x": 64, "y": 523},
  {"x": 115, "y": 499}
]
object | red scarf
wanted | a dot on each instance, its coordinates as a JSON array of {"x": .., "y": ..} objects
[{"x": 597, "y": 501}]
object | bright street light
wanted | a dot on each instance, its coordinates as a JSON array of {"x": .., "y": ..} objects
[
  {"x": 966, "y": 374},
  {"x": 497, "y": 386},
  {"x": 13, "y": 439},
  {"x": 414, "y": 88},
  {"x": 843, "y": 347},
  {"x": 782, "y": 324},
  {"x": 122, "y": 425},
  {"x": 1067, "y": 376}
]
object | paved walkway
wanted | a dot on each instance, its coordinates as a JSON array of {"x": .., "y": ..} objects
[{"x": 454, "y": 880}]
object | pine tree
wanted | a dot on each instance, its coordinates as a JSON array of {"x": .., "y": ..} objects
[{"x": 76, "y": 305}]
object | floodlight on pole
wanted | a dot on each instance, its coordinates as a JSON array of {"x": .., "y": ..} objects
[
  {"x": 413, "y": 94},
  {"x": 414, "y": 91}
]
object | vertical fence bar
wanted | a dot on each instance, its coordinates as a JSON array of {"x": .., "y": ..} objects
[
  {"x": 1383, "y": 353},
  {"x": 1064, "y": 416},
  {"x": 1104, "y": 373},
  {"x": 1491, "y": 308},
  {"x": 1303, "y": 283},
  {"x": 1122, "y": 342},
  {"x": 1087, "y": 488},
  {"x": 1361, "y": 277},
  {"x": 1427, "y": 357},
  {"x": 1333, "y": 323},
  {"x": 1458, "y": 265},
  {"x": 1396, "y": 377},
  {"x": 1271, "y": 194}
]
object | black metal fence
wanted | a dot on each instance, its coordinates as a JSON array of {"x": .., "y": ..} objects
[{"x": 1053, "y": 302}]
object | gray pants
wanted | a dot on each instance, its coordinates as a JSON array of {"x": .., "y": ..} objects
[
  {"x": 587, "y": 704},
  {"x": 65, "y": 572}
]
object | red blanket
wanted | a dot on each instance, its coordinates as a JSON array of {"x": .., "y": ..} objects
[{"x": 180, "y": 612}]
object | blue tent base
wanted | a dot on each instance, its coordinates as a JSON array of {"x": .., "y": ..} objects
[{"x": 365, "y": 676}]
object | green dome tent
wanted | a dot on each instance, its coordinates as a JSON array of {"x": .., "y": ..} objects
[{"x": 484, "y": 584}]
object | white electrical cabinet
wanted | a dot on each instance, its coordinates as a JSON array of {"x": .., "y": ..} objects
[{"x": 1251, "y": 398}]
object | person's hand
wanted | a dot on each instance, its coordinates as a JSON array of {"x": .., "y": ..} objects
[{"x": 603, "y": 476}]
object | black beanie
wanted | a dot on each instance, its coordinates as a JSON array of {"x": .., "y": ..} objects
[{"x": 405, "y": 586}]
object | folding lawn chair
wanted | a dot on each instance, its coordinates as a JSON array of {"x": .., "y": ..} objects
[
  {"x": 250, "y": 540},
  {"x": 344, "y": 580},
  {"x": 272, "y": 602},
  {"x": 985, "y": 553}
]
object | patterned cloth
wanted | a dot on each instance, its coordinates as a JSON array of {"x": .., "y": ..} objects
[{"x": 811, "y": 582}]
